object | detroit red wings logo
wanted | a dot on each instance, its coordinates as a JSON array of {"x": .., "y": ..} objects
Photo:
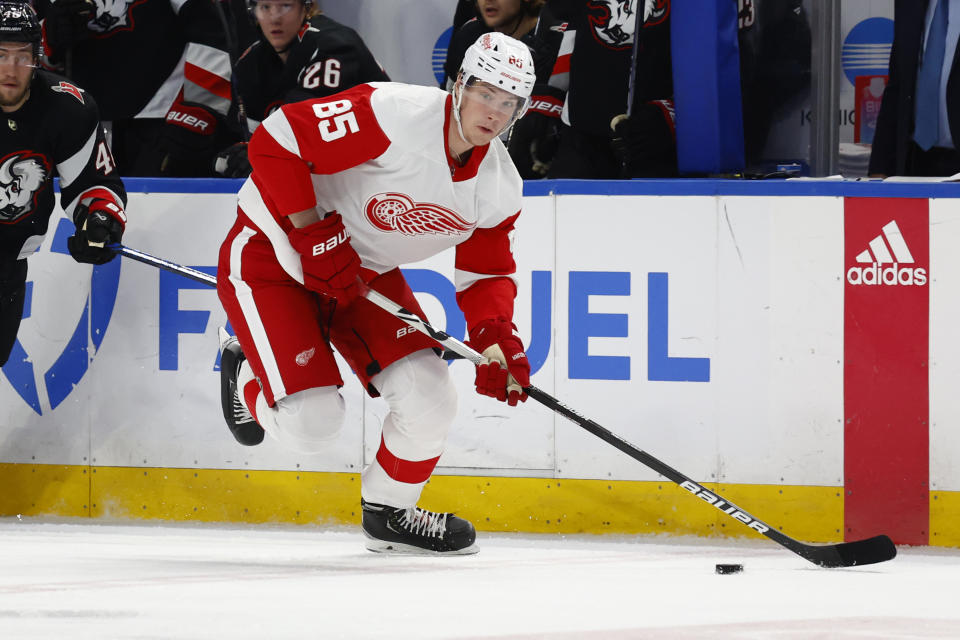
[
  {"x": 398, "y": 212},
  {"x": 614, "y": 21},
  {"x": 22, "y": 176}
]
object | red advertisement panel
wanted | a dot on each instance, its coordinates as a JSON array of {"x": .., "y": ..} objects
[{"x": 886, "y": 399}]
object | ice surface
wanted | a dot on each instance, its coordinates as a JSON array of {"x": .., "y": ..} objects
[{"x": 74, "y": 579}]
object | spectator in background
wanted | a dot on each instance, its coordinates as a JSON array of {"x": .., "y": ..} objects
[
  {"x": 921, "y": 104},
  {"x": 515, "y": 18},
  {"x": 594, "y": 67},
  {"x": 299, "y": 55},
  {"x": 533, "y": 137},
  {"x": 159, "y": 72},
  {"x": 774, "y": 41},
  {"x": 466, "y": 10}
]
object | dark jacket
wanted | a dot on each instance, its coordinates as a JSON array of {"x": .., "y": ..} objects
[{"x": 892, "y": 140}]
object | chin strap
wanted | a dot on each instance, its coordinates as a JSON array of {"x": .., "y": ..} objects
[{"x": 457, "y": 99}]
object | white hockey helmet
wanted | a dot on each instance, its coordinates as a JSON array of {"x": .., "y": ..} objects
[{"x": 502, "y": 62}]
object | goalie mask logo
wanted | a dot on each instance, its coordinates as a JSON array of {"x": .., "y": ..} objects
[
  {"x": 23, "y": 175},
  {"x": 398, "y": 212},
  {"x": 613, "y": 22},
  {"x": 112, "y": 16}
]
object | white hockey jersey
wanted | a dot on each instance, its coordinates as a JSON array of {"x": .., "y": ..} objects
[{"x": 377, "y": 155}]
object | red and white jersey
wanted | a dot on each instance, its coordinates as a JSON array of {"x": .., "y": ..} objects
[{"x": 377, "y": 155}]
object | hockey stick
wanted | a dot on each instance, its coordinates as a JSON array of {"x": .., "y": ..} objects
[
  {"x": 166, "y": 265},
  {"x": 847, "y": 554},
  {"x": 200, "y": 276},
  {"x": 638, "y": 22}
]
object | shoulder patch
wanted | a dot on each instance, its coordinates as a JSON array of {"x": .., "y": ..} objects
[{"x": 66, "y": 87}]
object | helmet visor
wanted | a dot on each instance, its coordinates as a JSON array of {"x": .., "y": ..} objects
[
  {"x": 491, "y": 97},
  {"x": 18, "y": 55}
]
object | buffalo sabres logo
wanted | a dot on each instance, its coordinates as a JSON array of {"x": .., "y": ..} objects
[
  {"x": 111, "y": 15},
  {"x": 22, "y": 175},
  {"x": 614, "y": 25},
  {"x": 398, "y": 212}
]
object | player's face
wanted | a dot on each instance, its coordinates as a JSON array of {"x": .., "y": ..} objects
[
  {"x": 485, "y": 111},
  {"x": 280, "y": 20},
  {"x": 500, "y": 13},
  {"x": 16, "y": 71}
]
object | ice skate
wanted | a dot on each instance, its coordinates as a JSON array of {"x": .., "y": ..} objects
[
  {"x": 416, "y": 531},
  {"x": 242, "y": 425}
]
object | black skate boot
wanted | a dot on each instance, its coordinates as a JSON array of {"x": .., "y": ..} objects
[
  {"x": 242, "y": 425},
  {"x": 416, "y": 531}
]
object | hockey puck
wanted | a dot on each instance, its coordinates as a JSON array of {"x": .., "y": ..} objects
[{"x": 724, "y": 569}]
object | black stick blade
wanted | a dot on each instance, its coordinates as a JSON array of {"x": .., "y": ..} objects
[{"x": 851, "y": 554}]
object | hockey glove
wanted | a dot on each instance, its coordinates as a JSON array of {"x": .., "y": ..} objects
[
  {"x": 534, "y": 138},
  {"x": 645, "y": 141},
  {"x": 99, "y": 222},
  {"x": 232, "y": 162},
  {"x": 508, "y": 371},
  {"x": 330, "y": 265},
  {"x": 65, "y": 24},
  {"x": 188, "y": 141}
]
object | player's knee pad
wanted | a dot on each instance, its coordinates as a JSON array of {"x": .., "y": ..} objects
[
  {"x": 308, "y": 420},
  {"x": 422, "y": 400}
]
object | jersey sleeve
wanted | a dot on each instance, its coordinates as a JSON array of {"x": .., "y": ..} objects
[
  {"x": 485, "y": 270},
  {"x": 84, "y": 163},
  {"x": 321, "y": 136}
]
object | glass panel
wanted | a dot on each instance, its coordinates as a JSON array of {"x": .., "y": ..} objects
[{"x": 866, "y": 36}]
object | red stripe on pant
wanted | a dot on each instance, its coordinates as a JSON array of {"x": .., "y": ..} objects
[
  {"x": 408, "y": 471},
  {"x": 885, "y": 374}
]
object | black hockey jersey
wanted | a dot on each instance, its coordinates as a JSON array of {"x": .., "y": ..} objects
[
  {"x": 56, "y": 132},
  {"x": 543, "y": 42},
  {"x": 325, "y": 58},
  {"x": 593, "y": 64},
  {"x": 132, "y": 58}
]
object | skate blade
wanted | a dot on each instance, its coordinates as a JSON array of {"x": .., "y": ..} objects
[{"x": 400, "y": 549}]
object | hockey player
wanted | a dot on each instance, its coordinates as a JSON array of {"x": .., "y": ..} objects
[
  {"x": 298, "y": 56},
  {"x": 601, "y": 35},
  {"x": 344, "y": 190},
  {"x": 160, "y": 72},
  {"x": 50, "y": 127}
]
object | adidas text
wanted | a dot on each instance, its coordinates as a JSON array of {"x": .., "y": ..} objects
[
  {"x": 892, "y": 275},
  {"x": 330, "y": 244},
  {"x": 730, "y": 510}
]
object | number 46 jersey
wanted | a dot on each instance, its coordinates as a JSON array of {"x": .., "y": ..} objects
[
  {"x": 378, "y": 155},
  {"x": 56, "y": 132}
]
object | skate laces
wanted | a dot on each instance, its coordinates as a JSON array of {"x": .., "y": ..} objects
[
  {"x": 425, "y": 523},
  {"x": 240, "y": 412}
]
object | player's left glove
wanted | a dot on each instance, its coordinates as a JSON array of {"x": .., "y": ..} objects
[
  {"x": 508, "y": 371},
  {"x": 99, "y": 222}
]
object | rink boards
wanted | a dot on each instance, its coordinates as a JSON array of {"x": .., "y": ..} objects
[{"x": 782, "y": 341}]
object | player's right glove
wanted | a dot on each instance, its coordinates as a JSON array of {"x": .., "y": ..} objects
[
  {"x": 508, "y": 370},
  {"x": 65, "y": 24},
  {"x": 232, "y": 162},
  {"x": 99, "y": 222},
  {"x": 331, "y": 266}
]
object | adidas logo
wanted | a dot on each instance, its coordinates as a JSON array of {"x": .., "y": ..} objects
[{"x": 888, "y": 248}]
